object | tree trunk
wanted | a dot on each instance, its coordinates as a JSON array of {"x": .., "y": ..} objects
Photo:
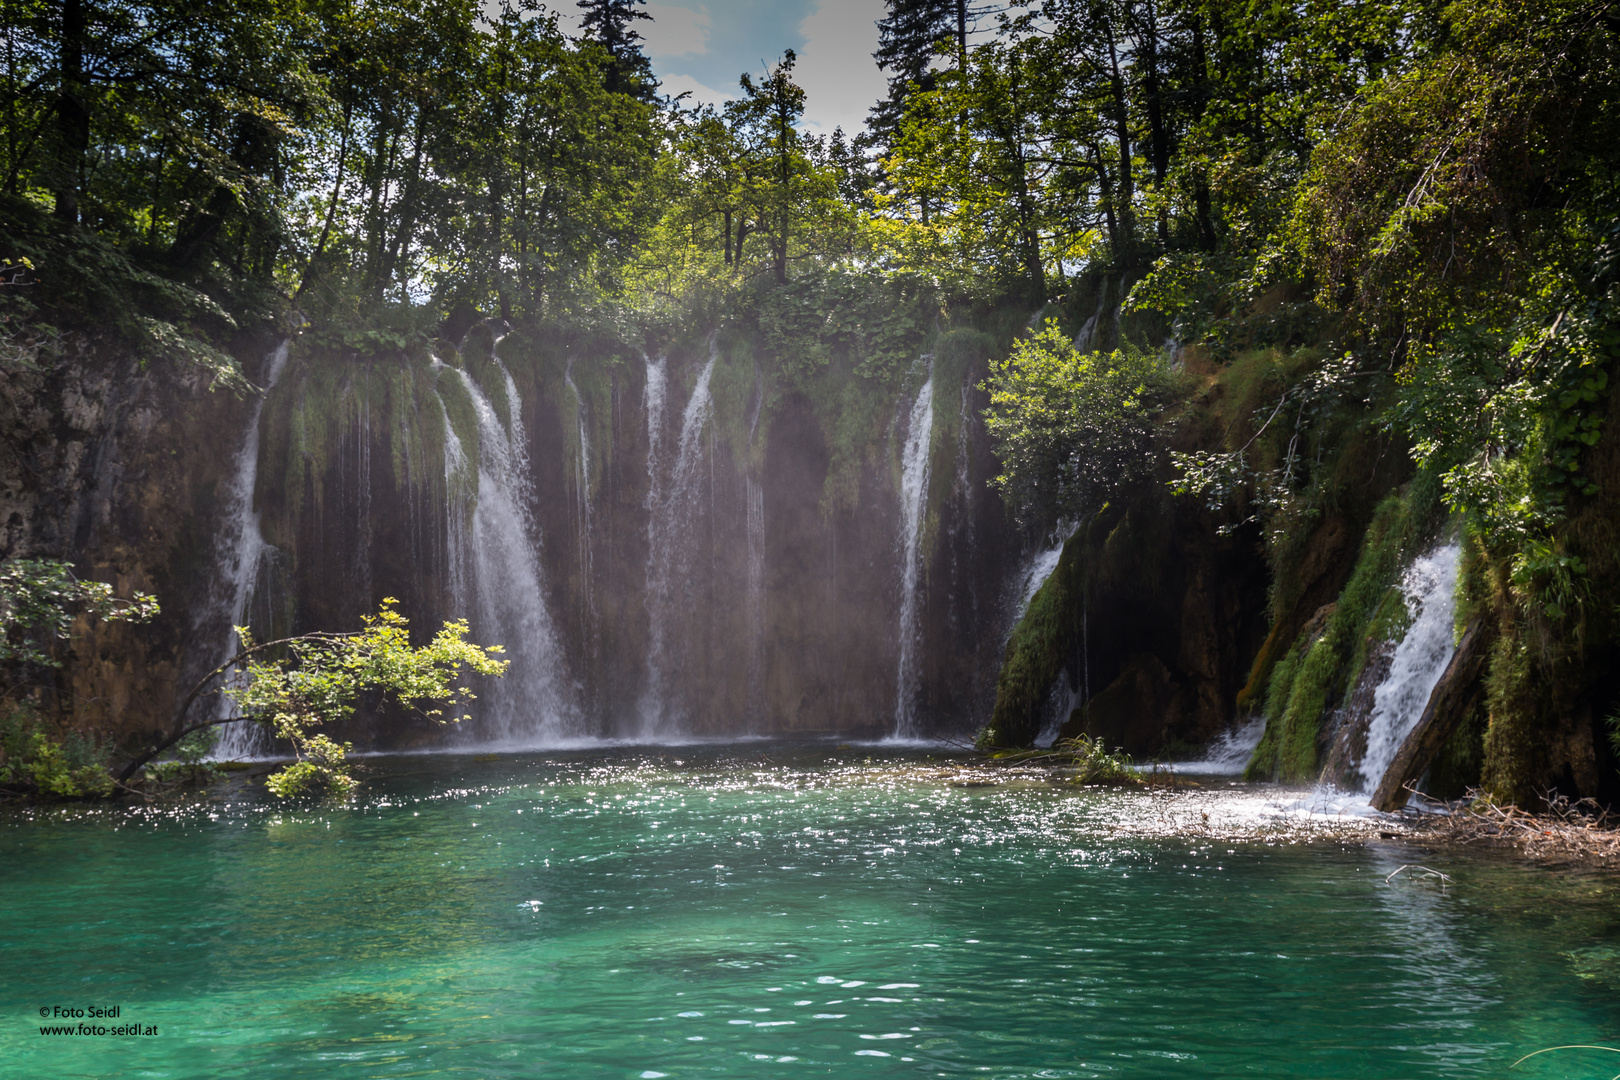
[
  {"x": 1124, "y": 253},
  {"x": 72, "y": 113},
  {"x": 407, "y": 208},
  {"x": 1158, "y": 137},
  {"x": 331, "y": 207},
  {"x": 1201, "y": 95},
  {"x": 961, "y": 37}
]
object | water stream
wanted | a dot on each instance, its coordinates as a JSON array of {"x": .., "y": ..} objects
[
  {"x": 676, "y": 508},
  {"x": 1430, "y": 589},
  {"x": 582, "y": 481},
  {"x": 913, "y": 510},
  {"x": 531, "y": 705},
  {"x": 240, "y": 554}
]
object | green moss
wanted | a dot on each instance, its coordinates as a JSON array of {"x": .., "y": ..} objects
[
  {"x": 458, "y": 409},
  {"x": 1037, "y": 652},
  {"x": 323, "y": 402},
  {"x": 1458, "y": 765},
  {"x": 1512, "y": 701},
  {"x": 733, "y": 386}
]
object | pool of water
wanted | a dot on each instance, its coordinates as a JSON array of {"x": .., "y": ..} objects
[{"x": 775, "y": 911}]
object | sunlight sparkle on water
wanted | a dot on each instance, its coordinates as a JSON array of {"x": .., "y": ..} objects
[{"x": 872, "y": 912}]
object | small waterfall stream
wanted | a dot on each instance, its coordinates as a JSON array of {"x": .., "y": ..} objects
[
  {"x": 531, "y": 704},
  {"x": 756, "y": 586},
  {"x": 582, "y": 496},
  {"x": 240, "y": 553},
  {"x": 1430, "y": 588},
  {"x": 456, "y": 492},
  {"x": 675, "y": 504},
  {"x": 913, "y": 507}
]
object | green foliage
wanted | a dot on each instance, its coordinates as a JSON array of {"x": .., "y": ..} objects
[
  {"x": 1086, "y": 759},
  {"x": 190, "y": 766},
  {"x": 40, "y": 599},
  {"x": 319, "y": 770},
  {"x": 321, "y": 677},
  {"x": 34, "y": 763},
  {"x": 1073, "y": 429}
]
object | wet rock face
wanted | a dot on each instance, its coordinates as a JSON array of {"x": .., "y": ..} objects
[
  {"x": 1161, "y": 616},
  {"x": 114, "y": 465},
  {"x": 1345, "y": 738}
]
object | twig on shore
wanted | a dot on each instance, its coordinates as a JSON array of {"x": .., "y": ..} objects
[{"x": 1567, "y": 831}]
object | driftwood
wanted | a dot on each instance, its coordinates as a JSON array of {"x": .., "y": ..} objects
[
  {"x": 1568, "y": 832},
  {"x": 1439, "y": 720}
]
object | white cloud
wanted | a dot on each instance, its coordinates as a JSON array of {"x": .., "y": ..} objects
[
  {"x": 841, "y": 80},
  {"x": 674, "y": 85},
  {"x": 675, "y": 31}
]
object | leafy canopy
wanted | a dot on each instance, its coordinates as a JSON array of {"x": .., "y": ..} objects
[{"x": 1072, "y": 428}]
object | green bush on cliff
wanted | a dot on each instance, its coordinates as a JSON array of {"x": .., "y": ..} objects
[
  {"x": 1072, "y": 428},
  {"x": 34, "y": 763},
  {"x": 40, "y": 599}
]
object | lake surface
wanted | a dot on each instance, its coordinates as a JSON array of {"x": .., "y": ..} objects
[{"x": 769, "y": 910}]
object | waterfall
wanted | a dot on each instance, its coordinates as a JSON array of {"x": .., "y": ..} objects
[
  {"x": 673, "y": 508},
  {"x": 913, "y": 507},
  {"x": 1430, "y": 588},
  {"x": 756, "y": 591},
  {"x": 583, "y": 486},
  {"x": 240, "y": 553},
  {"x": 456, "y": 492},
  {"x": 1037, "y": 569},
  {"x": 1229, "y": 754},
  {"x": 530, "y": 705}
]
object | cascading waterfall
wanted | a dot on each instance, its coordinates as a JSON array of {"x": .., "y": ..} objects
[
  {"x": 756, "y": 587},
  {"x": 530, "y": 705},
  {"x": 456, "y": 498},
  {"x": 582, "y": 498},
  {"x": 673, "y": 510},
  {"x": 1037, "y": 568},
  {"x": 240, "y": 553},
  {"x": 1230, "y": 752},
  {"x": 913, "y": 503},
  {"x": 1430, "y": 587}
]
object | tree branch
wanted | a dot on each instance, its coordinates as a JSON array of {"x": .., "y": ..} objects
[{"x": 197, "y": 691}]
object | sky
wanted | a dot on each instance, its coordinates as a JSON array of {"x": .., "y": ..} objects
[{"x": 702, "y": 46}]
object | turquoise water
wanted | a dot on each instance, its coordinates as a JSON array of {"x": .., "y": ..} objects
[{"x": 778, "y": 911}]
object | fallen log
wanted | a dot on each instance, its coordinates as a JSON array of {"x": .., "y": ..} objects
[{"x": 1439, "y": 720}]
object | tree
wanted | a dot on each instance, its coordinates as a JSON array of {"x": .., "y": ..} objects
[
  {"x": 296, "y": 685},
  {"x": 981, "y": 146},
  {"x": 1072, "y": 429},
  {"x": 611, "y": 24},
  {"x": 766, "y": 117}
]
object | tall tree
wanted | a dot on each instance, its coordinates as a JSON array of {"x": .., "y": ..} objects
[
  {"x": 612, "y": 25},
  {"x": 768, "y": 114}
]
